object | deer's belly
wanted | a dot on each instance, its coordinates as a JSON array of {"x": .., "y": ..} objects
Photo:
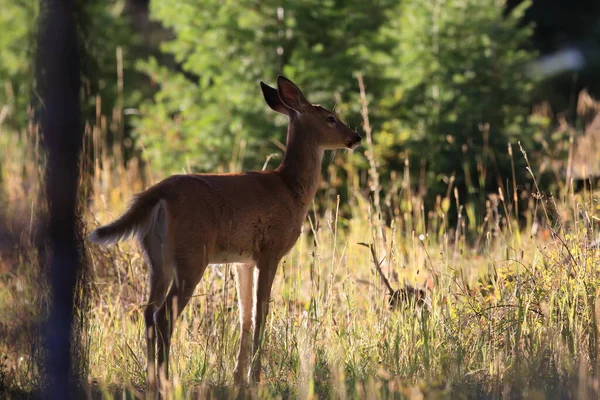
[
  {"x": 245, "y": 243},
  {"x": 230, "y": 256}
]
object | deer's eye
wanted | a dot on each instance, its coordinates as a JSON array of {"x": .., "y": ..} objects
[{"x": 330, "y": 118}]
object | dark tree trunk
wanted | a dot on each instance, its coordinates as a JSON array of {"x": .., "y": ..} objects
[{"x": 58, "y": 83}]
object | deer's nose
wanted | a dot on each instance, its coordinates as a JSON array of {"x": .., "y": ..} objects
[{"x": 354, "y": 141}]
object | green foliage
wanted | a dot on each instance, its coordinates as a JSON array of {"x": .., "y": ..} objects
[
  {"x": 210, "y": 102},
  {"x": 103, "y": 28},
  {"x": 16, "y": 51},
  {"x": 459, "y": 93}
]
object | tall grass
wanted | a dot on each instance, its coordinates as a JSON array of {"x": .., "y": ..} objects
[{"x": 511, "y": 311}]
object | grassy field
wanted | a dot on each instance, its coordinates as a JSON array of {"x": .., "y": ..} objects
[{"x": 511, "y": 312}]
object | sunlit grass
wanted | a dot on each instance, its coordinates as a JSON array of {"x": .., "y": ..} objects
[{"x": 513, "y": 311}]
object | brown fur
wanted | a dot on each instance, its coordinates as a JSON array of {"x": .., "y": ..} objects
[{"x": 186, "y": 222}]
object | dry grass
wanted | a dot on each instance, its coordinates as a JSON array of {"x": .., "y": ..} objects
[{"x": 513, "y": 312}]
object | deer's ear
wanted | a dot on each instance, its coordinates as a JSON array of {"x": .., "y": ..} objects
[
  {"x": 272, "y": 98},
  {"x": 290, "y": 95}
]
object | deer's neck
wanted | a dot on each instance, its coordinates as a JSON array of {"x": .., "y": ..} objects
[{"x": 301, "y": 165}]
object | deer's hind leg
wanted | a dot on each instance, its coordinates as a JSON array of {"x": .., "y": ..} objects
[
  {"x": 160, "y": 279},
  {"x": 189, "y": 266}
]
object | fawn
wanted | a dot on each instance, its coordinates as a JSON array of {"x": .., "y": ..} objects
[{"x": 252, "y": 219}]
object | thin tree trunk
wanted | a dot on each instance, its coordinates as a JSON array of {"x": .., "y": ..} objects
[{"x": 58, "y": 83}]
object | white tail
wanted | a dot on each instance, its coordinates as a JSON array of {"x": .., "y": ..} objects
[{"x": 254, "y": 218}]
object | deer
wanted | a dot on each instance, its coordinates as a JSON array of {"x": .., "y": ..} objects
[{"x": 248, "y": 219}]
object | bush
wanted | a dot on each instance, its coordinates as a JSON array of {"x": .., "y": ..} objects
[{"x": 459, "y": 93}]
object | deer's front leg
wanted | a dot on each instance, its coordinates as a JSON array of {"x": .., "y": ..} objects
[
  {"x": 266, "y": 275},
  {"x": 244, "y": 278}
]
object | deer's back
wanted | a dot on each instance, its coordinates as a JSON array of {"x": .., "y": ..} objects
[{"x": 238, "y": 217}]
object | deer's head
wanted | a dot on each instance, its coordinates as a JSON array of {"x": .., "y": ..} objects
[{"x": 321, "y": 126}]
